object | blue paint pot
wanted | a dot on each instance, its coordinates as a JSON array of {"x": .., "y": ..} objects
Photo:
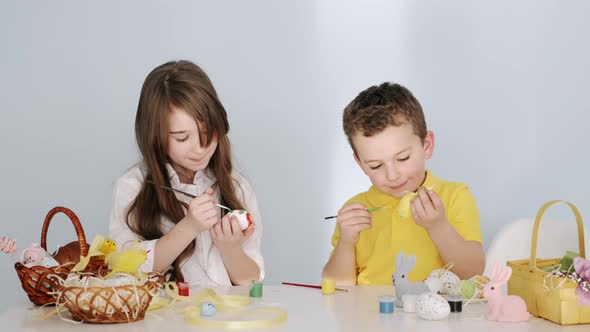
[{"x": 386, "y": 304}]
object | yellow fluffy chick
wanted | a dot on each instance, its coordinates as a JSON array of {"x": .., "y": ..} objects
[
  {"x": 99, "y": 247},
  {"x": 128, "y": 261},
  {"x": 108, "y": 246}
]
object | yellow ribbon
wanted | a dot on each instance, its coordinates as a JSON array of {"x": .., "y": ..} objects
[
  {"x": 234, "y": 304},
  {"x": 193, "y": 317}
]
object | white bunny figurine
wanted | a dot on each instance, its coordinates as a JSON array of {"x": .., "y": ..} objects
[
  {"x": 401, "y": 281},
  {"x": 503, "y": 308}
]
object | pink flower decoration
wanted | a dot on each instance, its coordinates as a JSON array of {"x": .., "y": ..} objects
[
  {"x": 583, "y": 296},
  {"x": 582, "y": 267}
]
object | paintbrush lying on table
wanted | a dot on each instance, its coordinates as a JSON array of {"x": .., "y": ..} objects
[{"x": 312, "y": 286}]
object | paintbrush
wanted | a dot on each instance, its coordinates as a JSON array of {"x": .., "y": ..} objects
[
  {"x": 382, "y": 207},
  {"x": 370, "y": 210},
  {"x": 312, "y": 286},
  {"x": 186, "y": 194}
]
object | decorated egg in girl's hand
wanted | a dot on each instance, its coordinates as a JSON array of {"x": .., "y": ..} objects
[{"x": 244, "y": 218}]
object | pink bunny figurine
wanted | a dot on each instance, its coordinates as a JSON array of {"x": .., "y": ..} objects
[
  {"x": 33, "y": 255},
  {"x": 503, "y": 308}
]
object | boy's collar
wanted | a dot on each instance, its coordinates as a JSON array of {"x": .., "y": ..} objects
[{"x": 378, "y": 198}]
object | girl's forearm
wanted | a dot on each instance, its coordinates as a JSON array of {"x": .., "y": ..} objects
[
  {"x": 240, "y": 268},
  {"x": 169, "y": 246}
]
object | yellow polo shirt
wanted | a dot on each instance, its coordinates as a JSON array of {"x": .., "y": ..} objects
[{"x": 389, "y": 234}]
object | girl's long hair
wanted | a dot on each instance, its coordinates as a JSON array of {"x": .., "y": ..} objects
[{"x": 184, "y": 85}]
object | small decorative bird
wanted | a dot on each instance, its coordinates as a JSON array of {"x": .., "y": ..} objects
[
  {"x": 99, "y": 247},
  {"x": 128, "y": 261},
  {"x": 108, "y": 246}
]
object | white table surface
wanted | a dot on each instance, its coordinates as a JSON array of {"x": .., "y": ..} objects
[{"x": 307, "y": 309}]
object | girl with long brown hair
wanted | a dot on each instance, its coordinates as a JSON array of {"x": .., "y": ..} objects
[{"x": 181, "y": 130}]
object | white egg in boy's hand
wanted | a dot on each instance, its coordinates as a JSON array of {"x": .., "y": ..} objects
[{"x": 244, "y": 218}]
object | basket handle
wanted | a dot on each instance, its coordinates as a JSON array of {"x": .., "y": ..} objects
[
  {"x": 77, "y": 227},
  {"x": 533, "y": 259}
]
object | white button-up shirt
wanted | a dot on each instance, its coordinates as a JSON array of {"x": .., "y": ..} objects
[{"x": 204, "y": 268}]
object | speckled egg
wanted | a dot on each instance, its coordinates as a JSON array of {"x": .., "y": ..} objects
[
  {"x": 450, "y": 281},
  {"x": 432, "y": 306}
]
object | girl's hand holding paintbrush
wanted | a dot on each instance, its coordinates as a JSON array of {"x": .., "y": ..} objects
[{"x": 202, "y": 212}]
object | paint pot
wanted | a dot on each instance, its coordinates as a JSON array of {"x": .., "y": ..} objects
[
  {"x": 255, "y": 288},
  {"x": 456, "y": 303},
  {"x": 409, "y": 302},
  {"x": 328, "y": 286},
  {"x": 386, "y": 304},
  {"x": 183, "y": 288}
]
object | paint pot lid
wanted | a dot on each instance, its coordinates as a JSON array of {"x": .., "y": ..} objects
[{"x": 386, "y": 298}]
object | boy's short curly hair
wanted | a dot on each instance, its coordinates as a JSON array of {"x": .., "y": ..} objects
[{"x": 379, "y": 107}]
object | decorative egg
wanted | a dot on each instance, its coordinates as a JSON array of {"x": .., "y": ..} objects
[
  {"x": 450, "y": 282},
  {"x": 244, "y": 218},
  {"x": 120, "y": 279},
  {"x": 207, "y": 309},
  {"x": 404, "y": 205},
  {"x": 468, "y": 289},
  {"x": 432, "y": 306},
  {"x": 48, "y": 262},
  {"x": 434, "y": 284}
]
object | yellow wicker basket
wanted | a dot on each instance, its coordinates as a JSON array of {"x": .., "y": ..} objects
[{"x": 552, "y": 298}]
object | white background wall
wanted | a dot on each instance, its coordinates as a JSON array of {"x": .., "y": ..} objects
[{"x": 504, "y": 86}]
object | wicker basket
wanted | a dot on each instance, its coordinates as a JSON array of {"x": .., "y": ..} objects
[
  {"x": 107, "y": 305},
  {"x": 559, "y": 305},
  {"x": 37, "y": 280}
]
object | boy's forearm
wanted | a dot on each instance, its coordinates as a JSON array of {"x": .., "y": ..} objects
[
  {"x": 341, "y": 267},
  {"x": 467, "y": 257}
]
